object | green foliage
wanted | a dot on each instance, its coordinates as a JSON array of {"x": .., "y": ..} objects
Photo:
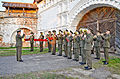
[
  {"x": 37, "y": 75},
  {"x": 113, "y": 66},
  {"x": 14, "y": 47},
  {"x": 7, "y": 47},
  {"x": 12, "y": 52}
]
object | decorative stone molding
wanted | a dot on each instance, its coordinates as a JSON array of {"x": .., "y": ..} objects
[{"x": 82, "y": 8}]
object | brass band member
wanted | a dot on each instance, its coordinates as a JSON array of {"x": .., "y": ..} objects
[
  {"x": 19, "y": 45},
  {"x": 54, "y": 42},
  {"x": 32, "y": 41},
  {"x": 41, "y": 42},
  {"x": 49, "y": 45},
  {"x": 106, "y": 45},
  {"x": 76, "y": 46},
  {"x": 97, "y": 44},
  {"x": 88, "y": 47},
  {"x": 60, "y": 42}
]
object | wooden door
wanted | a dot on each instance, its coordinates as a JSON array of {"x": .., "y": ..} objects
[{"x": 102, "y": 19}]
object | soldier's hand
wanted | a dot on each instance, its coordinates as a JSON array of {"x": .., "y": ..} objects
[
  {"x": 95, "y": 36},
  {"x": 84, "y": 36}
]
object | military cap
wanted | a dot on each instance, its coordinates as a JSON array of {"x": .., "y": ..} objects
[
  {"x": 81, "y": 31},
  {"x": 75, "y": 33},
  {"x": 66, "y": 30},
  {"x": 71, "y": 32},
  {"x": 78, "y": 31},
  {"x": 32, "y": 33},
  {"x": 53, "y": 31},
  {"x": 49, "y": 31},
  {"x": 68, "y": 33},
  {"x": 85, "y": 30},
  {"x": 18, "y": 31}
]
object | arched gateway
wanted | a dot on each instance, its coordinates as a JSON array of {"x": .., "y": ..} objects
[
  {"x": 102, "y": 19},
  {"x": 98, "y": 15}
]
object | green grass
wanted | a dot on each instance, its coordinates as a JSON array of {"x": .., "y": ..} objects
[
  {"x": 113, "y": 66},
  {"x": 37, "y": 75},
  {"x": 14, "y": 47},
  {"x": 24, "y": 52}
]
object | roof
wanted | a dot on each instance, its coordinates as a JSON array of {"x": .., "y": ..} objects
[{"x": 19, "y": 5}]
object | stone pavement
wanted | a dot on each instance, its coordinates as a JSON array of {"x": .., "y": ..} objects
[
  {"x": 9, "y": 65},
  {"x": 44, "y": 62}
]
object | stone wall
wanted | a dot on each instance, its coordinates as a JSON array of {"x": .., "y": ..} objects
[{"x": 9, "y": 24}]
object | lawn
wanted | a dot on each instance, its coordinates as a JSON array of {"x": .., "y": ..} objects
[
  {"x": 12, "y": 52},
  {"x": 113, "y": 66},
  {"x": 14, "y": 47},
  {"x": 37, "y": 75}
]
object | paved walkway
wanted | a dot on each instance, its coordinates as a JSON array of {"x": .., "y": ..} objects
[{"x": 9, "y": 66}]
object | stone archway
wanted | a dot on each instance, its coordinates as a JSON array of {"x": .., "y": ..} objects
[
  {"x": 27, "y": 34},
  {"x": 1, "y": 40},
  {"x": 102, "y": 19},
  {"x": 84, "y": 6}
]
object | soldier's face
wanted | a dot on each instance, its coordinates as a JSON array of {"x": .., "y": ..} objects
[
  {"x": 98, "y": 33},
  {"x": 65, "y": 32},
  {"x": 19, "y": 33},
  {"x": 88, "y": 32},
  {"x": 108, "y": 32}
]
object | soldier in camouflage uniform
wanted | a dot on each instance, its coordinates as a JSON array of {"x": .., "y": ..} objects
[
  {"x": 106, "y": 45},
  {"x": 49, "y": 45},
  {"x": 32, "y": 41},
  {"x": 97, "y": 44},
  {"x": 76, "y": 46},
  {"x": 60, "y": 42},
  {"x": 65, "y": 43},
  {"x": 88, "y": 47},
  {"x": 69, "y": 44},
  {"x": 54, "y": 42},
  {"x": 82, "y": 43},
  {"x": 41, "y": 42},
  {"x": 19, "y": 45}
]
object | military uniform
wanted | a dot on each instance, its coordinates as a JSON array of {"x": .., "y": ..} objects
[
  {"x": 106, "y": 46},
  {"x": 83, "y": 55},
  {"x": 65, "y": 45},
  {"x": 69, "y": 45},
  {"x": 76, "y": 47},
  {"x": 49, "y": 45},
  {"x": 54, "y": 43},
  {"x": 19, "y": 46},
  {"x": 60, "y": 42},
  {"x": 32, "y": 41},
  {"x": 97, "y": 44},
  {"x": 41, "y": 42},
  {"x": 88, "y": 48}
]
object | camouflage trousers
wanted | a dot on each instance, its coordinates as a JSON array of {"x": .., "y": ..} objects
[
  {"x": 60, "y": 49},
  {"x": 32, "y": 46},
  {"x": 19, "y": 53},
  {"x": 97, "y": 49},
  {"x": 54, "y": 49},
  {"x": 41, "y": 47},
  {"x": 76, "y": 53},
  {"x": 88, "y": 58},
  {"x": 83, "y": 54},
  {"x": 106, "y": 54},
  {"x": 69, "y": 51},
  {"x": 65, "y": 50},
  {"x": 49, "y": 47}
]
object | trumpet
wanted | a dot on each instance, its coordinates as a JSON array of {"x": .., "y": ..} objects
[{"x": 102, "y": 34}]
